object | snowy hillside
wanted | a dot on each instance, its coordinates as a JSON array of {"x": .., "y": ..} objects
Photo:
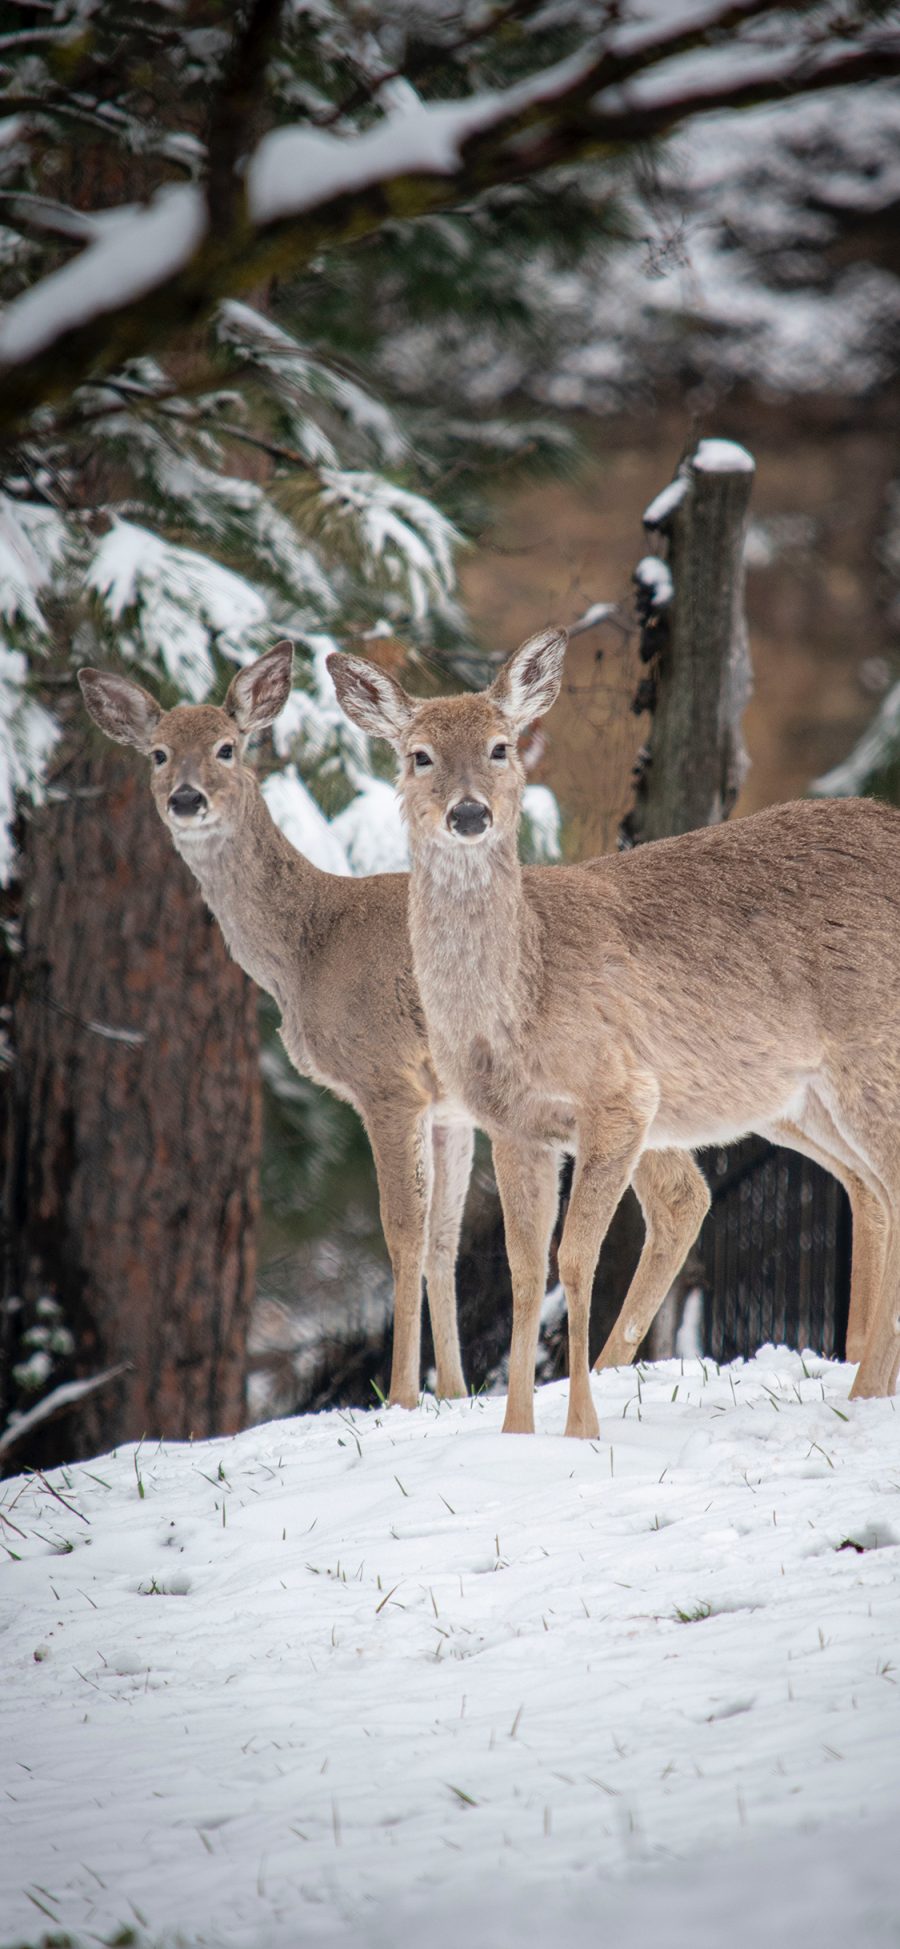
[{"x": 393, "y": 1677}]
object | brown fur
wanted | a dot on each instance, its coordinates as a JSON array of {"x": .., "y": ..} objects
[
  {"x": 741, "y": 978},
  {"x": 334, "y": 954}
]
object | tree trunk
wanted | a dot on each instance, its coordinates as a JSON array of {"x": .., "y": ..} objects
[
  {"x": 134, "y": 1128},
  {"x": 695, "y": 761}
]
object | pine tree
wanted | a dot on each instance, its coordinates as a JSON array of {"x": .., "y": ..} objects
[
  {"x": 171, "y": 520},
  {"x": 259, "y": 265}
]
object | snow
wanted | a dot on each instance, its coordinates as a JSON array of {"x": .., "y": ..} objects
[
  {"x": 728, "y": 63},
  {"x": 689, "y": 1334},
  {"x": 540, "y": 810},
  {"x": 297, "y": 168},
  {"x": 647, "y": 21},
  {"x": 355, "y": 1679},
  {"x": 655, "y": 577},
  {"x": 709, "y": 457},
  {"x": 371, "y": 829},
  {"x": 215, "y": 503},
  {"x": 595, "y": 613},
  {"x": 294, "y": 809},
  {"x": 34, "y": 1372},
  {"x": 876, "y": 748},
  {"x": 722, "y": 457},
  {"x": 306, "y": 379},
  {"x": 663, "y": 506},
  {"x": 28, "y": 734},
  {"x": 52, "y": 1404},
  {"x": 32, "y": 543},
  {"x": 24, "y": 562},
  {"x": 182, "y": 601},
  {"x": 743, "y": 271},
  {"x": 402, "y": 530},
  {"x": 134, "y": 251}
]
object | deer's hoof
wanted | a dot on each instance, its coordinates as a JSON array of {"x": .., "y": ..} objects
[
  {"x": 867, "y": 1387},
  {"x": 612, "y": 1357},
  {"x": 583, "y": 1426},
  {"x": 454, "y": 1389}
]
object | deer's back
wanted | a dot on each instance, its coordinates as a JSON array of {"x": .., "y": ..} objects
[{"x": 797, "y": 907}]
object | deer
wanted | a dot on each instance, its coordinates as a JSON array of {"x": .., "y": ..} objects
[
  {"x": 333, "y": 952},
  {"x": 739, "y": 978}
]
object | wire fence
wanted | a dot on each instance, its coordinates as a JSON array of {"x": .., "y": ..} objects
[
  {"x": 772, "y": 1263},
  {"x": 774, "y": 1253}
]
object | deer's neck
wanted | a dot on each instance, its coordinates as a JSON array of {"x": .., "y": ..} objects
[
  {"x": 262, "y": 892},
  {"x": 475, "y": 951}
]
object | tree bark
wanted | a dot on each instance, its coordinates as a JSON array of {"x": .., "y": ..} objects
[
  {"x": 134, "y": 1127},
  {"x": 695, "y": 760},
  {"x": 694, "y": 640}
]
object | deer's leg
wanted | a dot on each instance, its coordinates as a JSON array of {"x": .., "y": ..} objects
[
  {"x": 879, "y": 1364},
  {"x": 876, "y": 1375},
  {"x": 401, "y": 1147},
  {"x": 871, "y": 1222},
  {"x": 607, "y": 1155},
  {"x": 859, "y": 1110},
  {"x": 528, "y": 1182},
  {"x": 674, "y": 1198},
  {"x": 452, "y": 1146},
  {"x": 869, "y": 1245},
  {"x": 879, "y": 1310}
]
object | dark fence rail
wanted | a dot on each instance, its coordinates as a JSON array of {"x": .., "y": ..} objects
[{"x": 774, "y": 1253}]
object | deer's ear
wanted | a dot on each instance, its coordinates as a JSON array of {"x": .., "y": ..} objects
[
  {"x": 257, "y": 695},
  {"x": 121, "y": 708},
  {"x": 529, "y": 681},
  {"x": 370, "y": 698}
]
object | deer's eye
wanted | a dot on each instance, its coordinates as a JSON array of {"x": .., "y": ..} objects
[
  {"x": 159, "y": 757},
  {"x": 499, "y": 751},
  {"x": 421, "y": 760},
  {"x": 225, "y": 752}
]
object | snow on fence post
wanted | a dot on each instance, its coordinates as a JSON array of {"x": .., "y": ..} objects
[{"x": 694, "y": 636}]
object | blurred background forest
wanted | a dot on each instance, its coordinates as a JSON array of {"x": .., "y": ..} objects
[{"x": 420, "y": 437}]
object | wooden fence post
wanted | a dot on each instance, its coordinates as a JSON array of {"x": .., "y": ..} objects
[
  {"x": 694, "y": 637},
  {"x": 690, "y": 603}
]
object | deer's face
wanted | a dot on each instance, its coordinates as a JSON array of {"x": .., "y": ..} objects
[
  {"x": 460, "y": 774},
  {"x": 196, "y": 762},
  {"x": 461, "y": 777},
  {"x": 196, "y": 751}
]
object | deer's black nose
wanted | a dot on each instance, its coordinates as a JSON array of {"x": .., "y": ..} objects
[
  {"x": 187, "y": 802},
  {"x": 469, "y": 817}
]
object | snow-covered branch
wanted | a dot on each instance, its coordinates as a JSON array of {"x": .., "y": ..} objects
[
  {"x": 153, "y": 270},
  {"x": 57, "y": 1402}
]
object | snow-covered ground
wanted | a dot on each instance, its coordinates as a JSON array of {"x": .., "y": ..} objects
[{"x": 368, "y": 1678}]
